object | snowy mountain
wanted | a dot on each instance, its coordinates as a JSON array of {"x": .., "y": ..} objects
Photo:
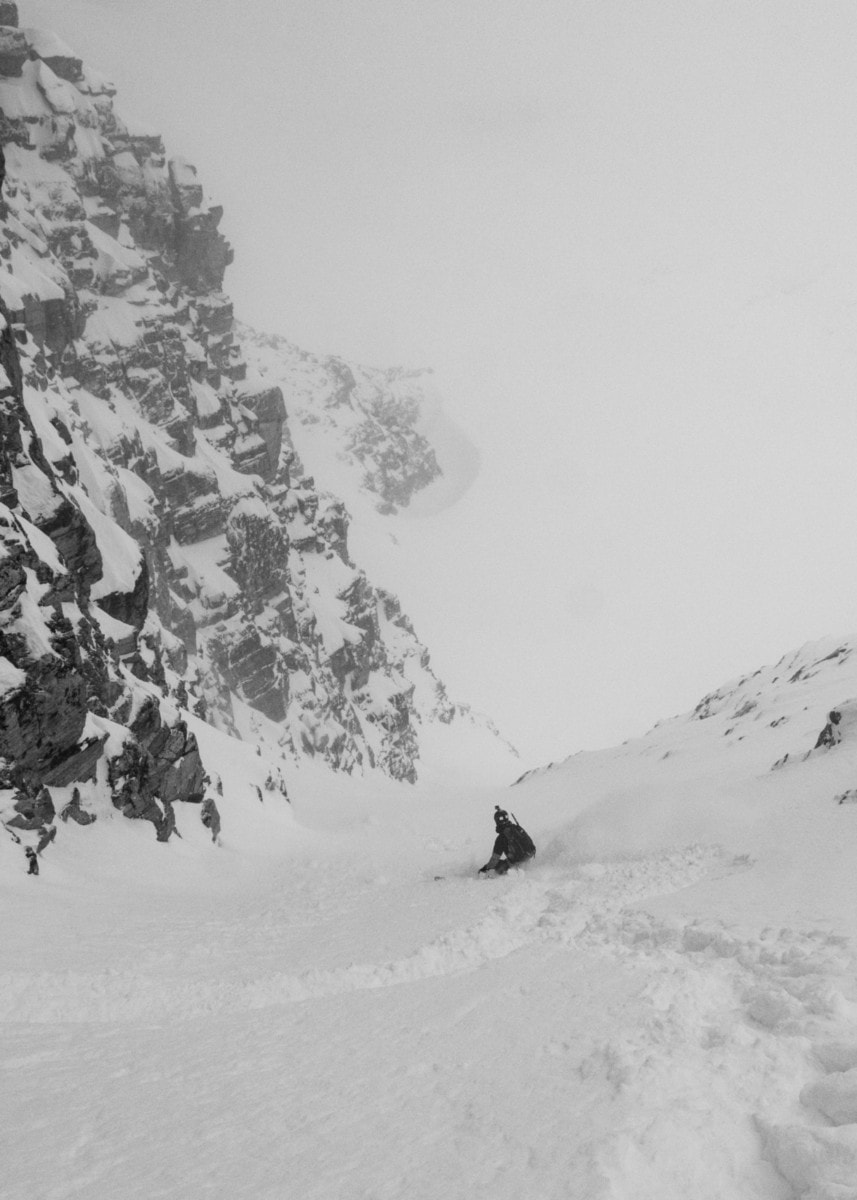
[
  {"x": 285, "y": 975},
  {"x": 167, "y": 551},
  {"x": 662, "y": 1005},
  {"x": 776, "y": 712}
]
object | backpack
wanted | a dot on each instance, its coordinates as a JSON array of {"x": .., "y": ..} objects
[{"x": 519, "y": 844}]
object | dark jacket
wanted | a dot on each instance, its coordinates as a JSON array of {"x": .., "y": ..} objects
[{"x": 506, "y": 846}]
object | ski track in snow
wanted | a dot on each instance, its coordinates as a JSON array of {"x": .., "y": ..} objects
[
  {"x": 761, "y": 1025},
  {"x": 529, "y": 911},
  {"x": 746, "y": 1044}
]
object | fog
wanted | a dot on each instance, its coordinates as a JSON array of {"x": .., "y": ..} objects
[{"x": 622, "y": 235}]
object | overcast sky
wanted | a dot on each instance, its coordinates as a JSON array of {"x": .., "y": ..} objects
[{"x": 623, "y": 235}]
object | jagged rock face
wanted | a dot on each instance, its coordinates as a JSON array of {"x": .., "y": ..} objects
[
  {"x": 73, "y": 811},
  {"x": 56, "y": 667},
  {"x": 132, "y": 607},
  {"x": 14, "y": 50},
  {"x": 158, "y": 767},
  {"x": 147, "y": 436},
  {"x": 72, "y": 535},
  {"x": 267, "y": 410},
  {"x": 44, "y": 705},
  {"x": 373, "y": 416},
  {"x": 33, "y": 810},
  {"x": 42, "y": 721},
  {"x": 246, "y": 659},
  {"x": 61, "y": 60},
  {"x": 202, "y": 254},
  {"x": 259, "y": 549},
  {"x": 210, "y": 817},
  {"x": 841, "y": 724},
  {"x": 174, "y": 770}
]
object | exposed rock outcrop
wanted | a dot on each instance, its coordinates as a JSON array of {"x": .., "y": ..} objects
[
  {"x": 831, "y": 734},
  {"x": 158, "y": 533},
  {"x": 57, "y": 673},
  {"x": 14, "y": 50},
  {"x": 210, "y": 817},
  {"x": 74, "y": 811}
]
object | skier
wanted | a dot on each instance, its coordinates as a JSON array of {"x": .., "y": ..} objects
[
  {"x": 512, "y": 845},
  {"x": 33, "y": 861}
]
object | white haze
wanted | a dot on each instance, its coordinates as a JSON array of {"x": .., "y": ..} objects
[{"x": 623, "y": 235}]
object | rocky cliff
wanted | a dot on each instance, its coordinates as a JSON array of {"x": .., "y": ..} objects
[{"x": 164, "y": 551}]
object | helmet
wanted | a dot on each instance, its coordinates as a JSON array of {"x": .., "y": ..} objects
[{"x": 501, "y": 817}]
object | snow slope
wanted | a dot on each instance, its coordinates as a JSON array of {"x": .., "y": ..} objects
[{"x": 661, "y": 1006}]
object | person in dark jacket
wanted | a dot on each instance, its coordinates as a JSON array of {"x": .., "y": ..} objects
[
  {"x": 33, "y": 868},
  {"x": 511, "y": 846}
]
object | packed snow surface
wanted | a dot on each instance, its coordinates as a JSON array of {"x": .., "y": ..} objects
[{"x": 661, "y": 1007}]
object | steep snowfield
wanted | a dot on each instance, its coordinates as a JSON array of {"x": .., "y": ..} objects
[{"x": 661, "y": 1007}]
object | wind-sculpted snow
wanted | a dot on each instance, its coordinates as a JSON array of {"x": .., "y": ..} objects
[
  {"x": 531, "y": 910},
  {"x": 129, "y": 996},
  {"x": 710, "y": 1036},
  {"x": 661, "y": 1005}
]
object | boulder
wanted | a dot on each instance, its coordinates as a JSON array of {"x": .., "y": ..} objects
[
  {"x": 56, "y": 54},
  {"x": 174, "y": 770},
  {"x": 249, "y": 664},
  {"x": 34, "y": 809},
  {"x": 73, "y": 536},
  {"x": 259, "y": 551},
  {"x": 13, "y": 578},
  {"x": 41, "y": 723},
  {"x": 203, "y": 254},
  {"x": 201, "y": 519},
  {"x": 215, "y": 313},
  {"x": 77, "y": 766},
  {"x": 831, "y": 734},
  {"x": 210, "y": 817},
  {"x": 166, "y": 826},
  {"x": 158, "y": 766},
  {"x": 14, "y": 50},
  {"x": 74, "y": 812},
  {"x": 269, "y": 410},
  {"x": 47, "y": 834},
  {"x": 186, "y": 188},
  {"x": 250, "y": 455},
  {"x": 130, "y": 607}
]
